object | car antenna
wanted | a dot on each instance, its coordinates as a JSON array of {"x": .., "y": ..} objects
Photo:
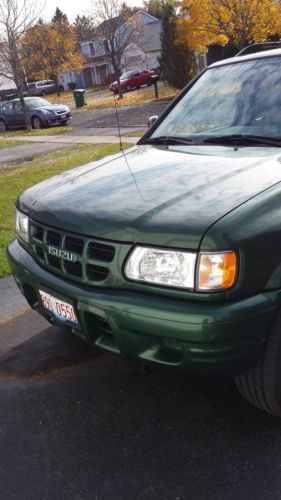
[
  {"x": 122, "y": 149},
  {"x": 118, "y": 125}
]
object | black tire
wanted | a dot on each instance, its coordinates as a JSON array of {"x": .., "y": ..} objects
[
  {"x": 3, "y": 126},
  {"x": 261, "y": 386},
  {"x": 149, "y": 83},
  {"x": 36, "y": 123},
  {"x": 43, "y": 92},
  {"x": 128, "y": 88}
]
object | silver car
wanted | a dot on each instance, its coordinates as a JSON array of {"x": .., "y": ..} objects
[{"x": 42, "y": 87}]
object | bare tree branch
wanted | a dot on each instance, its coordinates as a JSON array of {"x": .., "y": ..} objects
[
  {"x": 112, "y": 26},
  {"x": 16, "y": 17}
]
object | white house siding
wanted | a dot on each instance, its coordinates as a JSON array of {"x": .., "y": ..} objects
[{"x": 71, "y": 76}]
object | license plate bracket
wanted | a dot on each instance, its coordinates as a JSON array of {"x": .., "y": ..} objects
[{"x": 59, "y": 307}]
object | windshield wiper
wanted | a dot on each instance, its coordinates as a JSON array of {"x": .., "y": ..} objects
[
  {"x": 170, "y": 139},
  {"x": 243, "y": 139}
]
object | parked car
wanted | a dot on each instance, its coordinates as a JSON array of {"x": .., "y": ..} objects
[
  {"x": 171, "y": 250},
  {"x": 133, "y": 79},
  {"x": 41, "y": 112},
  {"x": 43, "y": 87}
]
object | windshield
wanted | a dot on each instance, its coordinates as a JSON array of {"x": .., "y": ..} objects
[
  {"x": 37, "y": 102},
  {"x": 242, "y": 98},
  {"x": 126, "y": 75}
]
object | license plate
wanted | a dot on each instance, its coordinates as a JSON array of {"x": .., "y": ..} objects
[
  {"x": 62, "y": 117},
  {"x": 61, "y": 309}
]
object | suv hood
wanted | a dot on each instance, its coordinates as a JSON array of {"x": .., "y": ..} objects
[{"x": 153, "y": 195}]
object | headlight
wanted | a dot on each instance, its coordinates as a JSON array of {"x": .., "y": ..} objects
[
  {"x": 161, "y": 267},
  {"x": 22, "y": 226},
  {"x": 174, "y": 268},
  {"x": 216, "y": 271}
]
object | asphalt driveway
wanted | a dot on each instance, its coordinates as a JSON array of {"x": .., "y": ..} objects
[{"x": 76, "y": 423}]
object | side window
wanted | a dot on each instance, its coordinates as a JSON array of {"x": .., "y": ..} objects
[
  {"x": 9, "y": 107},
  {"x": 18, "y": 107}
]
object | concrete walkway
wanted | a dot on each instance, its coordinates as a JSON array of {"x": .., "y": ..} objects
[
  {"x": 74, "y": 139},
  {"x": 27, "y": 152}
]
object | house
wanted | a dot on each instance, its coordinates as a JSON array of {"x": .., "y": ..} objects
[
  {"x": 98, "y": 69},
  {"x": 145, "y": 55}
]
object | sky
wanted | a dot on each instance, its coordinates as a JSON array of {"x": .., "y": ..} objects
[{"x": 72, "y": 8}]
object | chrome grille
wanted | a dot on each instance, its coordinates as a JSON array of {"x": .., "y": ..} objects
[{"x": 92, "y": 258}]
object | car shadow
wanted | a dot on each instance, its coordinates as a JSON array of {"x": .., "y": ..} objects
[{"x": 101, "y": 428}]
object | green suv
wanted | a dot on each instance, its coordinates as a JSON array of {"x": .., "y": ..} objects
[{"x": 171, "y": 251}]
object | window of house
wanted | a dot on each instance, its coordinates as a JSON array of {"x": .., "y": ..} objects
[
  {"x": 106, "y": 45},
  {"x": 92, "y": 49}
]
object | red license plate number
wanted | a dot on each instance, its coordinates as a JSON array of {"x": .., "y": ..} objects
[{"x": 62, "y": 310}]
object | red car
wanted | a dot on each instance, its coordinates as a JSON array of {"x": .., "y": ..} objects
[{"x": 133, "y": 79}]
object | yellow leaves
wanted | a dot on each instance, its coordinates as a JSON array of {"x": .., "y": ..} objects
[
  {"x": 50, "y": 50},
  {"x": 239, "y": 22}
]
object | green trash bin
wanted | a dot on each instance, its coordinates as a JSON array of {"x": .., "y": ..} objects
[{"x": 79, "y": 97}]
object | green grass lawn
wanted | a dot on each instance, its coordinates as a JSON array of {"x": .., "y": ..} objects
[
  {"x": 15, "y": 180},
  {"x": 41, "y": 131},
  {"x": 10, "y": 143}
]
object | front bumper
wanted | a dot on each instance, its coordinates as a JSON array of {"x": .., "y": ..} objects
[
  {"x": 217, "y": 338},
  {"x": 57, "y": 120}
]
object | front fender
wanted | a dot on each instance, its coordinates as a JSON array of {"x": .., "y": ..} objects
[{"x": 254, "y": 231}]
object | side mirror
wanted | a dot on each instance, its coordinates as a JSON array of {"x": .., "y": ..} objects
[{"x": 152, "y": 120}]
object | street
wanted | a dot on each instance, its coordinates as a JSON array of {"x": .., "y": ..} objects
[{"x": 83, "y": 424}]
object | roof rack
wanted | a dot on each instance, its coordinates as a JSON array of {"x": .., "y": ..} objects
[{"x": 259, "y": 47}]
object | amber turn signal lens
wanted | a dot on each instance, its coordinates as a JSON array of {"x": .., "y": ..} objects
[{"x": 217, "y": 271}]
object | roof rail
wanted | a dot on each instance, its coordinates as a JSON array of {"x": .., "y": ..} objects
[{"x": 259, "y": 47}]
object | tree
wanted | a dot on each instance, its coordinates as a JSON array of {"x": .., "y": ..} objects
[
  {"x": 238, "y": 22},
  {"x": 177, "y": 63},
  {"x": 116, "y": 31},
  {"x": 48, "y": 51},
  {"x": 16, "y": 18},
  {"x": 154, "y": 7},
  {"x": 127, "y": 11},
  {"x": 83, "y": 27},
  {"x": 59, "y": 17}
]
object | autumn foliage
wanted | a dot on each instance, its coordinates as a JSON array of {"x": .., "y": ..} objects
[
  {"x": 238, "y": 22},
  {"x": 49, "y": 50}
]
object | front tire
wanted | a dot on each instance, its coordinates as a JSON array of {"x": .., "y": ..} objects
[
  {"x": 3, "y": 126},
  {"x": 128, "y": 88},
  {"x": 36, "y": 123},
  {"x": 149, "y": 82},
  {"x": 261, "y": 385}
]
